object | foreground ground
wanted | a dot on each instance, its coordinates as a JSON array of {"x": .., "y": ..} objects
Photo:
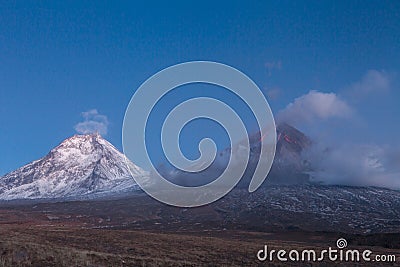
[
  {"x": 141, "y": 232},
  {"x": 24, "y": 245}
]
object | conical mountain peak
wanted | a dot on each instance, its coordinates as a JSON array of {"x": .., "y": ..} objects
[{"x": 80, "y": 165}]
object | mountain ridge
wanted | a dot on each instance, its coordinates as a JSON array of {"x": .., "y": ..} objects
[{"x": 79, "y": 166}]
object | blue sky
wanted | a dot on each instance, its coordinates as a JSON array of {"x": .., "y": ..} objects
[{"x": 59, "y": 59}]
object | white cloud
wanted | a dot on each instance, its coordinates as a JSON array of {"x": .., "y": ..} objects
[
  {"x": 273, "y": 65},
  {"x": 273, "y": 93},
  {"x": 314, "y": 106},
  {"x": 93, "y": 122},
  {"x": 346, "y": 163},
  {"x": 360, "y": 165},
  {"x": 372, "y": 82}
]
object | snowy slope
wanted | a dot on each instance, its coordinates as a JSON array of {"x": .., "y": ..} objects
[{"x": 80, "y": 166}]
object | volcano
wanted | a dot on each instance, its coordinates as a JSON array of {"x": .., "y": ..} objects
[
  {"x": 83, "y": 166},
  {"x": 288, "y": 167}
]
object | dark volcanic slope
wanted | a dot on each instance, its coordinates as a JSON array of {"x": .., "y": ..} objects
[
  {"x": 315, "y": 208},
  {"x": 272, "y": 208},
  {"x": 289, "y": 166}
]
